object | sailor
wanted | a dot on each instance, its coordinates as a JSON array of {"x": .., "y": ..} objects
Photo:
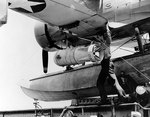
[{"x": 107, "y": 68}]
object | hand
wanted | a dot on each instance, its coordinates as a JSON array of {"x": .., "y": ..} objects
[{"x": 120, "y": 91}]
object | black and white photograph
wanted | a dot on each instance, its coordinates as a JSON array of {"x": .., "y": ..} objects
[{"x": 75, "y": 58}]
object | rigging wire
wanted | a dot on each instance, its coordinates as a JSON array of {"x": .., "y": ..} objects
[
  {"x": 135, "y": 68},
  {"x": 122, "y": 44},
  {"x": 126, "y": 60},
  {"x": 129, "y": 62},
  {"x": 127, "y": 50}
]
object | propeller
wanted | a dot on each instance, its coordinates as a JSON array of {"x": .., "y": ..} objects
[{"x": 45, "y": 60}]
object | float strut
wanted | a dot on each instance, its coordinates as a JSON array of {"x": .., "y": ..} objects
[{"x": 139, "y": 39}]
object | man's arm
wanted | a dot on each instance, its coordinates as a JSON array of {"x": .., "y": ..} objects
[
  {"x": 118, "y": 87},
  {"x": 107, "y": 35}
]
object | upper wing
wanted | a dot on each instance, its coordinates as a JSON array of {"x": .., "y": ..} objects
[
  {"x": 85, "y": 17},
  {"x": 68, "y": 14}
]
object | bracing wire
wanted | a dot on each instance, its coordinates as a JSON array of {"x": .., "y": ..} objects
[
  {"x": 127, "y": 50},
  {"x": 122, "y": 44},
  {"x": 129, "y": 62},
  {"x": 135, "y": 68}
]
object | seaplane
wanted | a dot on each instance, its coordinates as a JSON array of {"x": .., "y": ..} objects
[{"x": 71, "y": 28}]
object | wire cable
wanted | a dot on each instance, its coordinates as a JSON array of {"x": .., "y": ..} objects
[
  {"x": 122, "y": 45},
  {"x": 129, "y": 62},
  {"x": 135, "y": 68}
]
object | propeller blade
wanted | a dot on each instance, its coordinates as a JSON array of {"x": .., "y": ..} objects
[{"x": 45, "y": 60}]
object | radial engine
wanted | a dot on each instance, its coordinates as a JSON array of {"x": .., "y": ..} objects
[{"x": 76, "y": 51}]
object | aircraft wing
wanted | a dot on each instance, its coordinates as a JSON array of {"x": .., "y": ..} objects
[
  {"x": 68, "y": 14},
  {"x": 86, "y": 17},
  {"x": 74, "y": 23}
]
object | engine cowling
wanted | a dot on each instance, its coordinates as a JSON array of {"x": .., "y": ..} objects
[
  {"x": 78, "y": 55},
  {"x": 49, "y": 37}
]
